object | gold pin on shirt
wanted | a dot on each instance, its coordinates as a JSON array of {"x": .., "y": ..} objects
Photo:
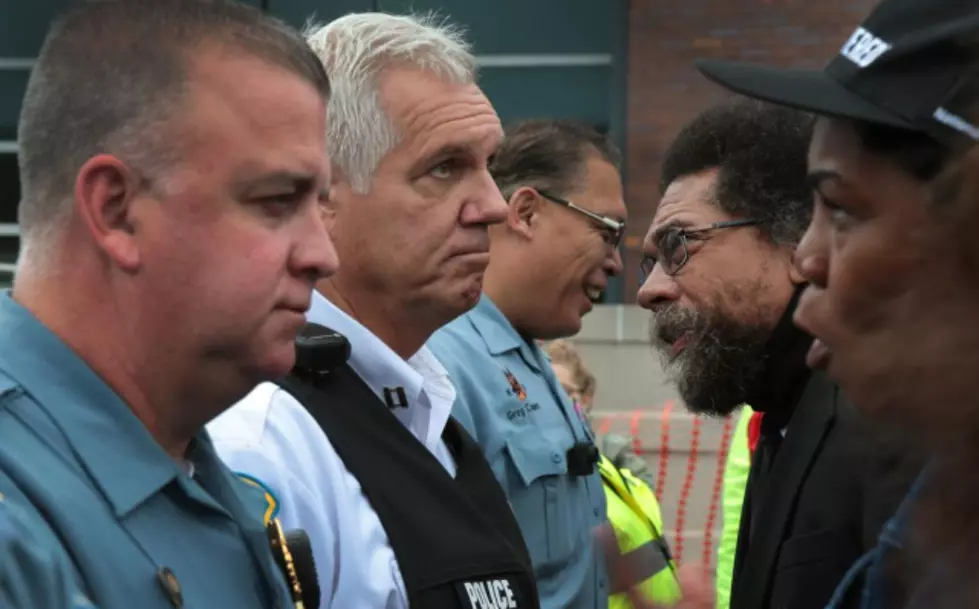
[{"x": 171, "y": 587}]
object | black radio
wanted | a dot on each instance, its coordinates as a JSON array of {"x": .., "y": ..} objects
[
  {"x": 319, "y": 350},
  {"x": 294, "y": 557}
]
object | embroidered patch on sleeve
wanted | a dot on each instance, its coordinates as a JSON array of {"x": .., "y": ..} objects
[{"x": 271, "y": 501}]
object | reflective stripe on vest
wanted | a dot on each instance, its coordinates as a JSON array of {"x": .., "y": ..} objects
[{"x": 635, "y": 515}]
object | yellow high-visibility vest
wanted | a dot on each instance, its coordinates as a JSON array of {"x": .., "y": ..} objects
[
  {"x": 735, "y": 481},
  {"x": 634, "y": 514}
]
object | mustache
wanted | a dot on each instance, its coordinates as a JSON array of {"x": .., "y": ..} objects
[{"x": 671, "y": 322}]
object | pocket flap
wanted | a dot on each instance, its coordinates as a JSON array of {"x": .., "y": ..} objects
[
  {"x": 534, "y": 457},
  {"x": 824, "y": 545}
]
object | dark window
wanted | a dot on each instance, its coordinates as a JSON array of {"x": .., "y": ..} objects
[
  {"x": 8, "y": 248},
  {"x": 13, "y": 83},
  {"x": 8, "y": 256},
  {"x": 9, "y": 188},
  {"x": 9, "y": 196},
  {"x": 519, "y": 26}
]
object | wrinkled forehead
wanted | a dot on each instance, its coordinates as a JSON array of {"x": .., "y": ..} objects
[
  {"x": 686, "y": 203},
  {"x": 478, "y": 138},
  {"x": 430, "y": 113}
]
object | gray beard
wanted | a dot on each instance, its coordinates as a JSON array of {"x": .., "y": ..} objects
[{"x": 719, "y": 365}]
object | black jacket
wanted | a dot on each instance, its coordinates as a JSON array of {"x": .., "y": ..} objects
[{"x": 818, "y": 495}]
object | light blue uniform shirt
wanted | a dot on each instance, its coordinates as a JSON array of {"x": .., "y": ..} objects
[
  {"x": 34, "y": 573},
  {"x": 139, "y": 530},
  {"x": 512, "y": 404}
]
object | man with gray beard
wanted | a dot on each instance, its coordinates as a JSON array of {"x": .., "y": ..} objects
[{"x": 719, "y": 280}]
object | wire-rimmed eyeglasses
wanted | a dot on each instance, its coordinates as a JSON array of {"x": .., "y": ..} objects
[
  {"x": 612, "y": 229},
  {"x": 671, "y": 245}
]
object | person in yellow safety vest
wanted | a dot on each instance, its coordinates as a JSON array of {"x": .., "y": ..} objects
[
  {"x": 735, "y": 481},
  {"x": 631, "y": 505},
  {"x": 635, "y": 516}
]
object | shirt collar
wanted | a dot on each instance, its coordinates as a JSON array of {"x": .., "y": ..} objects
[
  {"x": 424, "y": 380},
  {"x": 499, "y": 334},
  {"x": 115, "y": 448}
]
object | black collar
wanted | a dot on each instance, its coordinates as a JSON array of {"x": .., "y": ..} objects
[{"x": 777, "y": 391}]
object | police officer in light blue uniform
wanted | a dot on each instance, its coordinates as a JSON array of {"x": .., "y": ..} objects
[
  {"x": 141, "y": 529},
  {"x": 549, "y": 262},
  {"x": 171, "y": 234}
]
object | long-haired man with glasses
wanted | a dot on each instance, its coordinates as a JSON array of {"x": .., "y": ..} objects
[
  {"x": 719, "y": 279},
  {"x": 550, "y": 260}
]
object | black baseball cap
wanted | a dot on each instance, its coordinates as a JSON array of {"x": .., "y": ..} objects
[{"x": 911, "y": 64}]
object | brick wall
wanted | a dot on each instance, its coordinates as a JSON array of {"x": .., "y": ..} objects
[{"x": 665, "y": 90}]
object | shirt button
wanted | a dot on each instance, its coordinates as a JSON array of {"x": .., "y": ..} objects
[
  {"x": 596, "y": 512},
  {"x": 555, "y": 457},
  {"x": 601, "y": 583}
]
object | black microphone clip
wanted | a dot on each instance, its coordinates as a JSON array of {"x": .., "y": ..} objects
[{"x": 582, "y": 458}]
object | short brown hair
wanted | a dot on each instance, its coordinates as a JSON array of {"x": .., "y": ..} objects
[
  {"x": 110, "y": 74},
  {"x": 548, "y": 155},
  {"x": 564, "y": 353}
]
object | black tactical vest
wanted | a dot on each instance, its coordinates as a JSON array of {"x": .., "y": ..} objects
[{"x": 456, "y": 540}]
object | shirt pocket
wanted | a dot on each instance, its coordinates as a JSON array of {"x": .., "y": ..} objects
[
  {"x": 809, "y": 568},
  {"x": 540, "y": 496}
]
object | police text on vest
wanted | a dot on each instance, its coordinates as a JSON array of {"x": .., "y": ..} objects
[{"x": 492, "y": 594}]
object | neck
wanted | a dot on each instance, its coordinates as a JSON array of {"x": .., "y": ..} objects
[
  {"x": 780, "y": 386},
  {"x": 383, "y": 316},
  {"x": 498, "y": 287},
  {"x": 105, "y": 337}
]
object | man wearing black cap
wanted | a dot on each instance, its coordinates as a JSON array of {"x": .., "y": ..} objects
[
  {"x": 722, "y": 288},
  {"x": 891, "y": 261}
]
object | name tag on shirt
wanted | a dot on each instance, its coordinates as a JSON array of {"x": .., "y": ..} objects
[{"x": 491, "y": 593}]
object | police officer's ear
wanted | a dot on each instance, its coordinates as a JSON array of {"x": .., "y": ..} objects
[
  {"x": 523, "y": 211},
  {"x": 341, "y": 190},
  {"x": 107, "y": 197}
]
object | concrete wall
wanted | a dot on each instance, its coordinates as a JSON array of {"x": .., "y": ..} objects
[{"x": 614, "y": 341}]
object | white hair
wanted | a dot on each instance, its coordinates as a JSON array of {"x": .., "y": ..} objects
[{"x": 355, "y": 49}]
